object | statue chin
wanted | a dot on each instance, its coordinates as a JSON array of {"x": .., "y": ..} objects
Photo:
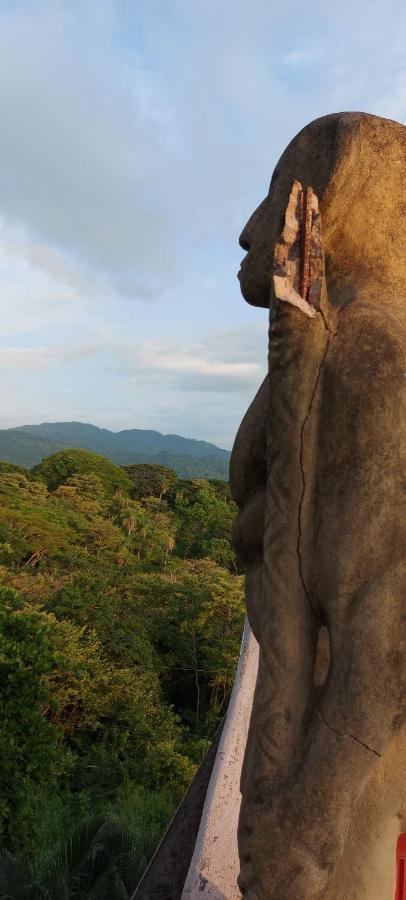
[{"x": 254, "y": 289}]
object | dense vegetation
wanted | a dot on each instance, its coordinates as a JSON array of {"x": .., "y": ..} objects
[
  {"x": 27, "y": 445},
  {"x": 120, "y": 620}
]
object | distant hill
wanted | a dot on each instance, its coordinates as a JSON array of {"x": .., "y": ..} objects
[{"x": 29, "y": 444}]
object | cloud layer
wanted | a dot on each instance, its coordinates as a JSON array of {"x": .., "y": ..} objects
[{"x": 136, "y": 140}]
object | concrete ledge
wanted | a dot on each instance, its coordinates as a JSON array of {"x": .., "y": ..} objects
[
  {"x": 166, "y": 873},
  {"x": 215, "y": 864},
  {"x": 198, "y": 855}
]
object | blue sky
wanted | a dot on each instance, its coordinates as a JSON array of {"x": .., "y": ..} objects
[{"x": 137, "y": 138}]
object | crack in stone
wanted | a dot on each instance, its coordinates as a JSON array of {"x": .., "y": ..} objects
[
  {"x": 329, "y": 334},
  {"x": 345, "y": 734},
  {"x": 302, "y": 471}
]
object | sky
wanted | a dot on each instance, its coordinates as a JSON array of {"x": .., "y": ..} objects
[{"x": 137, "y": 136}]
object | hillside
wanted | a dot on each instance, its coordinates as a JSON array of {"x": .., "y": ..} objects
[{"x": 27, "y": 445}]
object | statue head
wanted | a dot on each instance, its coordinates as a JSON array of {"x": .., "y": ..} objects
[{"x": 356, "y": 164}]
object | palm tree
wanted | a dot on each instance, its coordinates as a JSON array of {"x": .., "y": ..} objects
[{"x": 95, "y": 862}]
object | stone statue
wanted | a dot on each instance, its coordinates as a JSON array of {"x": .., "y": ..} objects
[{"x": 318, "y": 471}]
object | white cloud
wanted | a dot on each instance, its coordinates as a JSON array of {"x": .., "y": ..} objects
[
  {"x": 41, "y": 290},
  {"x": 38, "y": 359},
  {"x": 225, "y": 361},
  {"x": 84, "y": 130},
  {"x": 127, "y": 129}
]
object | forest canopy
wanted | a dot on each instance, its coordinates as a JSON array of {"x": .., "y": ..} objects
[{"x": 121, "y": 613}]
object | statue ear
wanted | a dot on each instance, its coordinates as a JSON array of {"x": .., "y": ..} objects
[{"x": 298, "y": 265}]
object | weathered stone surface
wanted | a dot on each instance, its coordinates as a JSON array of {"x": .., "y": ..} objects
[
  {"x": 298, "y": 256},
  {"x": 323, "y": 525}
]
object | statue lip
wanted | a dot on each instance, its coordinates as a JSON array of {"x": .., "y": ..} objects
[
  {"x": 254, "y": 290},
  {"x": 243, "y": 264},
  {"x": 241, "y": 275}
]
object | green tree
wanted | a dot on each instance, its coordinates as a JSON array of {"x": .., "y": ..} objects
[
  {"x": 94, "y": 862},
  {"x": 150, "y": 480},
  {"x": 112, "y": 716},
  {"x": 194, "y": 614},
  {"x": 38, "y": 529},
  {"x": 6, "y": 467},
  {"x": 59, "y": 467},
  {"x": 106, "y": 601},
  {"x": 205, "y": 516},
  {"x": 70, "y": 710},
  {"x": 149, "y": 526},
  {"x": 124, "y": 631},
  {"x": 27, "y": 738}
]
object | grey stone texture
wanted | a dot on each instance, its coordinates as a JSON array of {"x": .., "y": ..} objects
[{"x": 318, "y": 471}]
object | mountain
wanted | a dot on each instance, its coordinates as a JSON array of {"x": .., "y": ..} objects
[{"x": 26, "y": 445}]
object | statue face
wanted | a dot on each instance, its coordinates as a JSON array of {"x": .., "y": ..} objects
[
  {"x": 264, "y": 227},
  {"x": 258, "y": 239},
  {"x": 309, "y": 159}
]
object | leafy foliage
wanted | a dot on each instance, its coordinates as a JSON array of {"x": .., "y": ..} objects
[
  {"x": 57, "y": 469},
  {"x": 95, "y": 862},
  {"x": 120, "y": 621},
  {"x": 150, "y": 480},
  {"x": 26, "y": 658}
]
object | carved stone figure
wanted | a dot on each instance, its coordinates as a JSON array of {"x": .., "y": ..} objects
[{"x": 318, "y": 471}]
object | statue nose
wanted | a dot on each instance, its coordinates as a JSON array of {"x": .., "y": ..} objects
[{"x": 244, "y": 241}]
